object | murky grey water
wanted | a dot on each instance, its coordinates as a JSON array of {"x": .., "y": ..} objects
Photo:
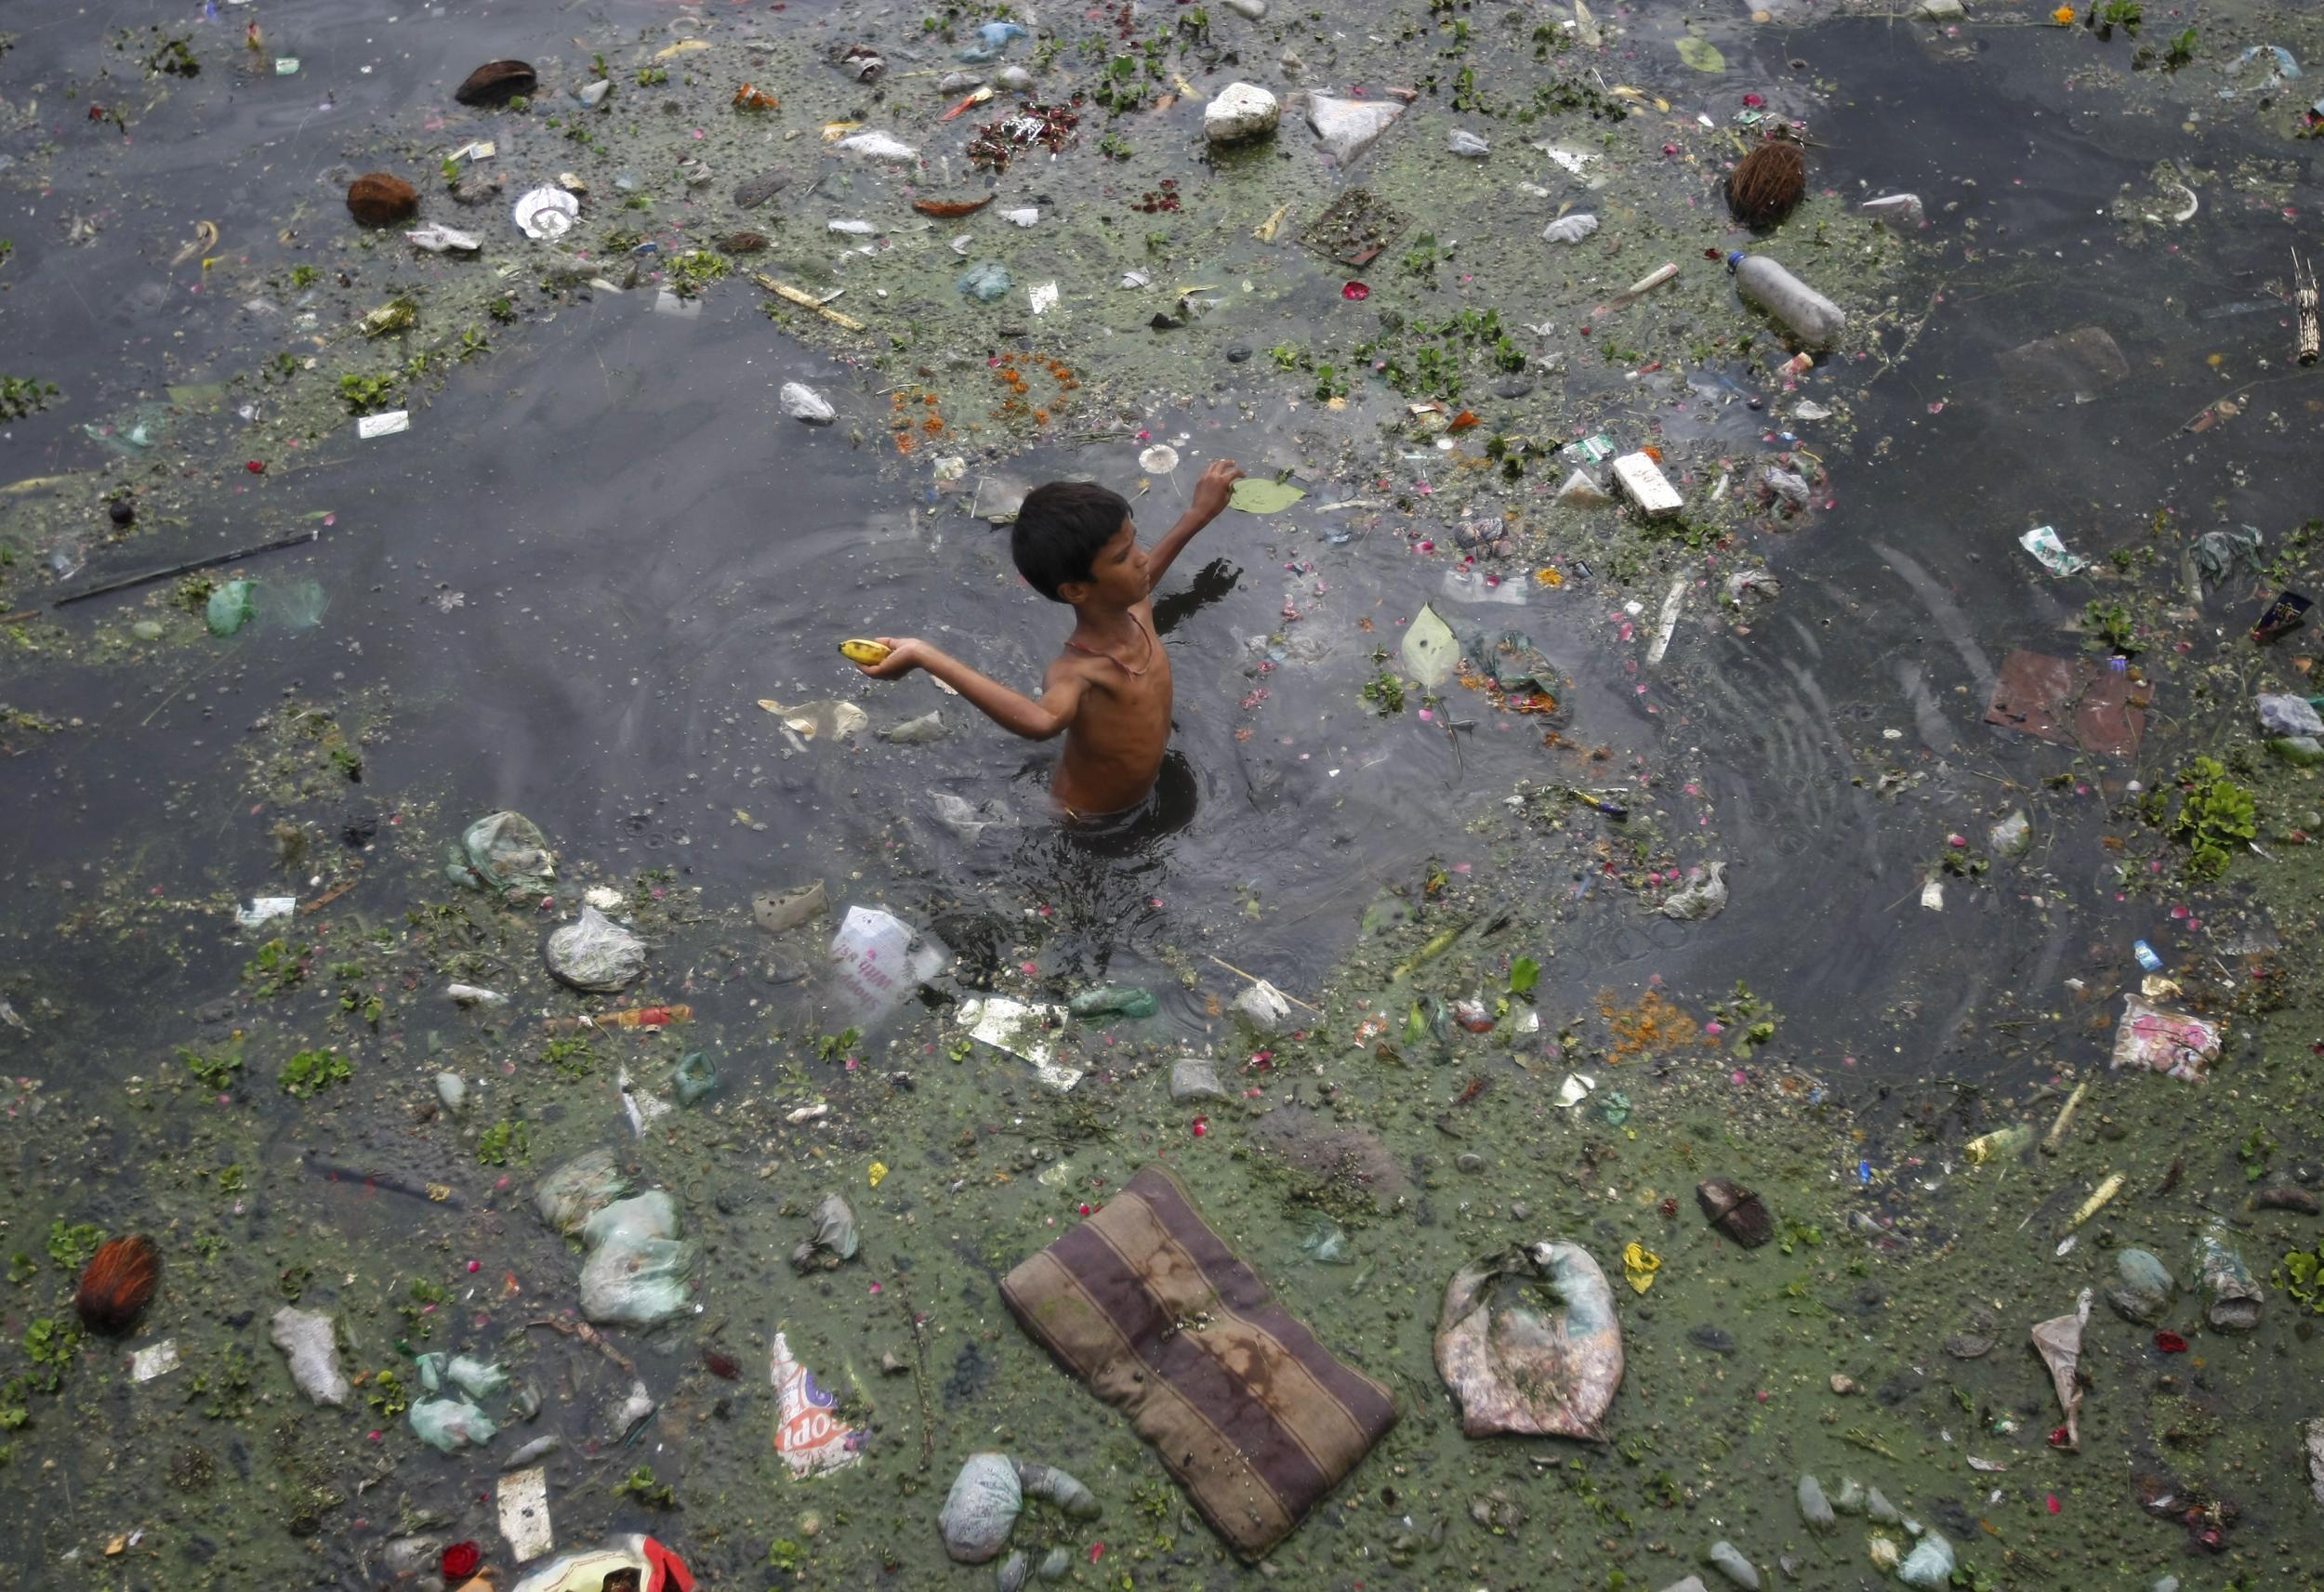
[{"x": 567, "y": 588}]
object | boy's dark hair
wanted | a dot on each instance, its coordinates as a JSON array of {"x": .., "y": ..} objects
[{"x": 1060, "y": 529}]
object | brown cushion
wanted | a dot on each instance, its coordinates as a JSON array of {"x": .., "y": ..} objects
[{"x": 1144, "y": 1304}]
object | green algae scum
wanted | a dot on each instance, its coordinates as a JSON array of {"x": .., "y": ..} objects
[{"x": 1773, "y": 1041}]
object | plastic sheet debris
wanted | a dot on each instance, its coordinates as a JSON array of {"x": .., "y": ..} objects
[
  {"x": 970, "y": 820},
  {"x": 1018, "y": 1029},
  {"x": 878, "y": 960},
  {"x": 450, "y": 1425},
  {"x": 1467, "y": 145},
  {"x": 980, "y": 1508},
  {"x": 265, "y": 909},
  {"x": 2231, "y": 1296},
  {"x": 2082, "y": 360},
  {"x": 1704, "y": 898},
  {"x": 775, "y": 911},
  {"x": 2219, "y": 554},
  {"x": 1266, "y": 1006},
  {"x": 808, "y": 1435},
  {"x": 1515, "y": 1360},
  {"x": 1570, "y": 229},
  {"x": 438, "y": 238},
  {"x": 1790, "y": 487},
  {"x": 1258, "y": 1426},
  {"x": 230, "y": 607},
  {"x": 2285, "y": 715},
  {"x": 1895, "y": 209},
  {"x": 2163, "y": 1039},
  {"x": 929, "y": 727},
  {"x": 1574, "y": 1089},
  {"x": 834, "y": 1241},
  {"x": 2059, "y": 1342},
  {"x": 1429, "y": 650},
  {"x": 310, "y": 1340},
  {"x": 2050, "y": 549},
  {"x": 2013, "y": 837},
  {"x": 2141, "y": 1288},
  {"x": 579, "y": 1189},
  {"x": 803, "y": 403},
  {"x": 1930, "y": 1564},
  {"x": 878, "y": 146},
  {"x": 1348, "y": 127},
  {"x": 828, "y": 718},
  {"x": 1667, "y": 622},
  {"x": 390, "y": 423},
  {"x": 851, "y": 228},
  {"x": 1196, "y": 1078},
  {"x": 634, "y": 1561},
  {"x": 1042, "y": 297},
  {"x": 1728, "y": 1560},
  {"x": 636, "y": 1268},
  {"x": 2074, "y": 702},
  {"x": 546, "y": 212},
  {"x": 156, "y": 1359},
  {"x": 1581, "y": 492},
  {"x": 523, "y": 1499},
  {"x": 992, "y": 39},
  {"x": 594, "y": 953},
  {"x": 984, "y": 282}
]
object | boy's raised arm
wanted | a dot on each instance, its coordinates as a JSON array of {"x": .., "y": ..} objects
[
  {"x": 1210, "y": 494},
  {"x": 1013, "y": 711}
]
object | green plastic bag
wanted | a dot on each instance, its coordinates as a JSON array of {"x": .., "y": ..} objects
[{"x": 231, "y": 607}]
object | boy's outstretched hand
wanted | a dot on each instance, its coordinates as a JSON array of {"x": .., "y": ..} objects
[
  {"x": 1210, "y": 492},
  {"x": 904, "y": 655}
]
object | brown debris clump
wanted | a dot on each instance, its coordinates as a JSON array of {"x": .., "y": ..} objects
[{"x": 1767, "y": 183}]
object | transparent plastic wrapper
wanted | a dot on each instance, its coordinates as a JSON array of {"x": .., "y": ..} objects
[
  {"x": 637, "y": 1267},
  {"x": 230, "y": 607},
  {"x": 596, "y": 954},
  {"x": 1704, "y": 898},
  {"x": 310, "y": 1339},
  {"x": 504, "y": 851},
  {"x": 2231, "y": 1296},
  {"x": 450, "y": 1425},
  {"x": 1517, "y": 1362},
  {"x": 878, "y": 960},
  {"x": 579, "y": 1189},
  {"x": 833, "y": 1240}
]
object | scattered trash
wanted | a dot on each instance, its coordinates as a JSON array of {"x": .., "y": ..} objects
[
  {"x": 1114, "y": 1000},
  {"x": 1930, "y": 1564},
  {"x": 387, "y": 424},
  {"x": 159, "y": 1360},
  {"x": 1895, "y": 209},
  {"x": 1467, "y": 144},
  {"x": 2283, "y": 715},
  {"x": 523, "y": 1502},
  {"x": 2143, "y": 1288},
  {"x": 1790, "y": 487},
  {"x": 1266, "y": 1006},
  {"x": 803, "y": 403},
  {"x": 2162, "y": 1039},
  {"x": 1570, "y": 229},
  {"x": 1735, "y": 1211},
  {"x": 1642, "y": 479},
  {"x": 594, "y": 953},
  {"x": 809, "y": 1438},
  {"x": 1206, "y": 1417},
  {"x": 929, "y": 727},
  {"x": 265, "y": 909},
  {"x": 833, "y": 1240},
  {"x": 449, "y": 1424},
  {"x": 2079, "y": 361},
  {"x": 1815, "y": 1508},
  {"x": 878, "y": 146},
  {"x": 1015, "y": 1028},
  {"x": 2074, "y": 702},
  {"x": 230, "y": 607},
  {"x": 636, "y": 1562},
  {"x": 1581, "y": 492},
  {"x": 1640, "y": 1266},
  {"x": 1196, "y": 1078},
  {"x": 1528, "y": 1343},
  {"x": 1706, "y": 897},
  {"x": 2287, "y": 613},
  {"x": 2059, "y": 1342},
  {"x": 878, "y": 960},
  {"x": 1728, "y": 1560},
  {"x": 1429, "y": 650},
  {"x": 634, "y": 1269},
  {"x": 310, "y": 1340},
  {"x": 2099, "y": 1198},
  {"x": 1348, "y": 127},
  {"x": 1815, "y": 319},
  {"x": 1767, "y": 182},
  {"x": 2231, "y": 1296},
  {"x": 546, "y": 212},
  {"x": 1042, "y": 298},
  {"x": 2003, "y": 1144}
]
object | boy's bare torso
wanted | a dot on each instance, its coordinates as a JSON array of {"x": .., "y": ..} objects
[{"x": 1114, "y": 747}]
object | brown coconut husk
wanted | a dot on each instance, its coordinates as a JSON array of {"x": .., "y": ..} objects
[{"x": 1767, "y": 183}]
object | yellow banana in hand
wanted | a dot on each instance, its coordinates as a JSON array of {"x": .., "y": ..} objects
[{"x": 865, "y": 653}]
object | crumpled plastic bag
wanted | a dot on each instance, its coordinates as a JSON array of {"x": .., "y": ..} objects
[
  {"x": 2059, "y": 1342},
  {"x": 637, "y": 1267},
  {"x": 2164, "y": 1040},
  {"x": 1703, "y": 898},
  {"x": 833, "y": 1240},
  {"x": 450, "y": 1425},
  {"x": 1528, "y": 1343},
  {"x": 503, "y": 851},
  {"x": 594, "y": 953},
  {"x": 2219, "y": 553},
  {"x": 579, "y": 1189}
]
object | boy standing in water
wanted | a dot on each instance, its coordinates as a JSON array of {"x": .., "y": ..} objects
[{"x": 1109, "y": 691}]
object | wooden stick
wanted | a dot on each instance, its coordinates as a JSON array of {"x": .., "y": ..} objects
[
  {"x": 806, "y": 301},
  {"x": 124, "y": 581},
  {"x": 1257, "y": 980}
]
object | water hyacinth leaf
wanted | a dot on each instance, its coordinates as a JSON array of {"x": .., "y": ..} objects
[
  {"x": 1701, "y": 53},
  {"x": 1254, "y": 494},
  {"x": 1523, "y": 974}
]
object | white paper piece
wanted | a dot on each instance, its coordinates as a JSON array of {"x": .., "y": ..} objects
[
  {"x": 265, "y": 909},
  {"x": 1933, "y": 895},
  {"x": 1022, "y": 1031},
  {"x": 158, "y": 1360},
  {"x": 388, "y": 425},
  {"x": 524, "y": 1513},
  {"x": 1043, "y": 297}
]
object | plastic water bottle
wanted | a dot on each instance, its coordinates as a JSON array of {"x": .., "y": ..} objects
[{"x": 1816, "y": 317}]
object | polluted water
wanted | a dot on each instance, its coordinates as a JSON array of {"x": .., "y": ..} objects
[{"x": 1708, "y": 975}]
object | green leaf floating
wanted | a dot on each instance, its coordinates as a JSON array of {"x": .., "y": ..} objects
[
  {"x": 1430, "y": 650},
  {"x": 1701, "y": 53},
  {"x": 1256, "y": 495}
]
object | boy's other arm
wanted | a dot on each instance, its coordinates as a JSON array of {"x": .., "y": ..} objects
[
  {"x": 1210, "y": 494},
  {"x": 1013, "y": 711}
]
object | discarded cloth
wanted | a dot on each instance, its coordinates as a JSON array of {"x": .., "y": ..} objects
[{"x": 1256, "y": 1419}]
